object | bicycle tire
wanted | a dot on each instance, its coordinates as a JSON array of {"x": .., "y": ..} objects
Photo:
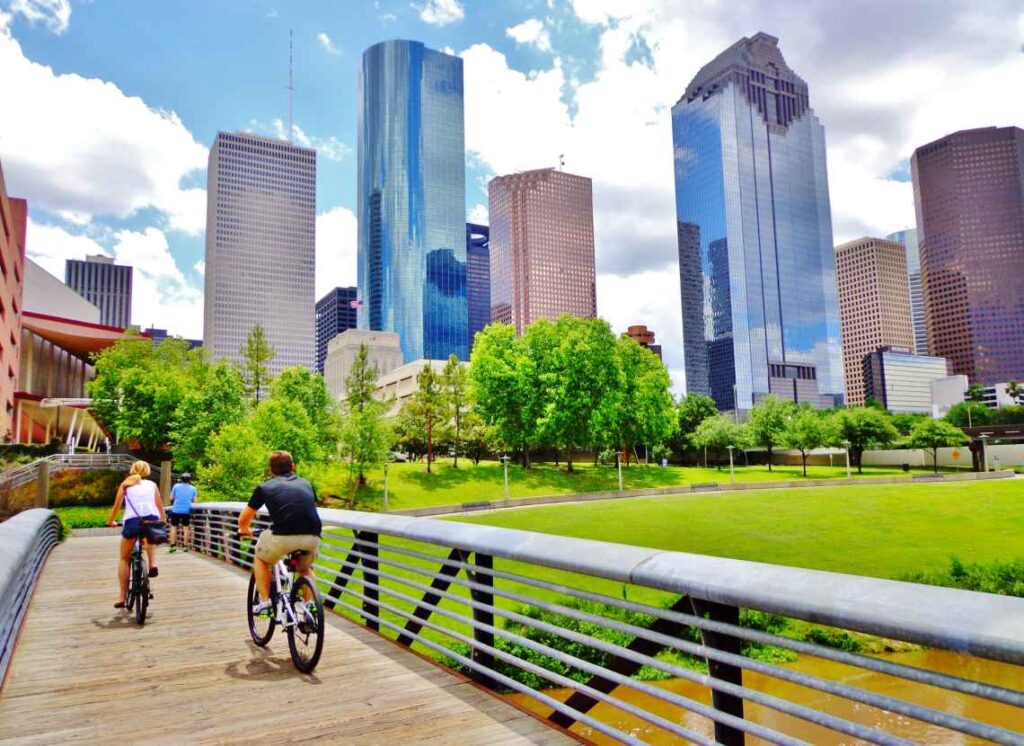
[
  {"x": 306, "y": 638},
  {"x": 142, "y": 594},
  {"x": 260, "y": 636},
  {"x": 133, "y": 584}
]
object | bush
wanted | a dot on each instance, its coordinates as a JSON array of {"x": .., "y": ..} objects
[
  {"x": 1004, "y": 578},
  {"x": 70, "y": 487}
]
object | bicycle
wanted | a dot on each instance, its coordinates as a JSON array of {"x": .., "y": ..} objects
[
  {"x": 138, "y": 597},
  {"x": 302, "y": 619}
]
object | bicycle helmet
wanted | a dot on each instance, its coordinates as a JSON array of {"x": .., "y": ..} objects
[{"x": 186, "y": 477}]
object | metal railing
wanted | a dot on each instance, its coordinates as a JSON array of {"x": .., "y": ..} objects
[
  {"x": 27, "y": 473},
  {"x": 587, "y": 617},
  {"x": 25, "y": 542}
]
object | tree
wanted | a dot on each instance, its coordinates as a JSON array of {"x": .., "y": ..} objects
[
  {"x": 361, "y": 382},
  {"x": 307, "y": 389},
  {"x": 408, "y": 432},
  {"x": 862, "y": 428},
  {"x": 936, "y": 434},
  {"x": 768, "y": 420},
  {"x": 455, "y": 383},
  {"x": 285, "y": 426},
  {"x": 692, "y": 410},
  {"x": 904, "y": 422},
  {"x": 365, "y": 436},
  {"x": 476, "y": 437},
  {"x": 976, "y": 392},
  {"x": 236, "y": 463},
  {"x": 646, "y": 411},
  {"x": 256, "y": 355},
  {"x": 216, "y": 398},
  {"x": 428, "y": 404},
  {"x": 1014, "y": 390},
  {"x": 505, "y": 388},
  {"x": 969, "y": 414},
  {"x": 718, "y": 433},
  {"x": 806, "y": 430}
]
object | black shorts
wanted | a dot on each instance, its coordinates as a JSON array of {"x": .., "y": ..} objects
[
  {"x": 180, "y": 519},
  {"x": 133, "y": 527}
]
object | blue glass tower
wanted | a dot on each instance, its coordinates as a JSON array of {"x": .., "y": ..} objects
[
  {"x": 478, "y": 278},
  {"x": 412, "y": 199},
  {"x": 757, "y": 268}
]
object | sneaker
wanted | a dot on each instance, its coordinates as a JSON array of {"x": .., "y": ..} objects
[
  {"x": 173, "y": 550},
  {"x": 185, "y": 549},
  {"x": 154, "y": 571},
  {"x": 263, "y": 608}
]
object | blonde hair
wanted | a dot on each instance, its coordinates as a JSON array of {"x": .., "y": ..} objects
[{"x": 138, "y": 471}]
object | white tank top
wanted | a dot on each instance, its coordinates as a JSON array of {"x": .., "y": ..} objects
[{"x": 140, "y": 500}]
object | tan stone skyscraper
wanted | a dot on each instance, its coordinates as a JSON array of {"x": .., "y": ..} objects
[
  {"x": 542, "y": 247},
  {"x": 874, "y": 305}
]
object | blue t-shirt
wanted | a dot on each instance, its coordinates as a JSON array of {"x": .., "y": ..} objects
[{"x": 182, "y": 494}]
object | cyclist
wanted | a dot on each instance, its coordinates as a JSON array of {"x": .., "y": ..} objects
[
  {"x": 182, "y": 495},
  {"x": 295, "y": 524},
  {"x": 141, "y": 498}
]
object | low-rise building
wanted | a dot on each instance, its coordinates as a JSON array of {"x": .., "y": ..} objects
[
  {"x": 383, "y": 351},
  {"x": 947, "y": 392},
  {"x": 901, "y": 380}
]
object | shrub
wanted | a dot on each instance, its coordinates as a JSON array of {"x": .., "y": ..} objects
[
  {"x": 70, "y": 487},
  {"x": 1004, "y": 578}
]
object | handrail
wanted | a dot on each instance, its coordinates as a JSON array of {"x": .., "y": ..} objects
[
  {"x": 90, "y": 461},
  {"x": 25, "y": 542},
  {"x": 703, "y": 594}
]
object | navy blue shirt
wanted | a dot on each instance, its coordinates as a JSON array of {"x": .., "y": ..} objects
[{"x": 291, "y": 502}]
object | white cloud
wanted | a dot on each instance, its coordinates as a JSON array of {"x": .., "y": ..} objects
[
  {"x": 531, "y": 31},
  {"x": 53, "y": 14},
  {"x": 200, "y": 267},
  {"x": 387, "y": 18},
  {"x": 479, "y": 215},
  {"x": 50, "y": 246},
  {"x": 79, "y": 146},
  {"x": 327, "y": 44},
  {"x": 335, "y": 250},
  {"x": 330, "y": 148},
  {"x": 603, "y": 12},
  {"x": 440, "y": 12}
]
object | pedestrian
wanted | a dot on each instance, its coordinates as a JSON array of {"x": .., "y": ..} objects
[{"x": 182, "y": 496}]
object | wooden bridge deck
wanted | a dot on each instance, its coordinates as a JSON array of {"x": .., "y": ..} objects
[{"x": 83, "y": 672}]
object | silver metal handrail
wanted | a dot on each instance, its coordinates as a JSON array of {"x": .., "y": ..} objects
[
  {"x": 25, "y": 542},
  {"x": 401, "y": 586},
  {"x": 27, "y": 473}
]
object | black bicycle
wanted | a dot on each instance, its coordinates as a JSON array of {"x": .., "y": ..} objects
[
  {"x": 295, "y": 605},
  {"x": 138, "y": 597}
]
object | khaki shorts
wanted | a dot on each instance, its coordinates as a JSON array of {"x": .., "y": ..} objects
[{"x": 271, "y": 549}]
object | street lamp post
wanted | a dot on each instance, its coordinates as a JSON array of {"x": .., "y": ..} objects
[
  {"x": 618, "y": 463},
  {"x": 504, "y": 462},
  {"x": 846, "y": 447},
  {"x": 984, "y": 451},
  {"x": 732, "y": 475},
  {"x": 385, "y": 486}
]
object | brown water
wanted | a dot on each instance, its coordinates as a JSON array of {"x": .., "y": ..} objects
[{"x": 1000, "y": 674}]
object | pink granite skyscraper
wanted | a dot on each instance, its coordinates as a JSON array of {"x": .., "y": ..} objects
[{"x": 542, "y": 247}]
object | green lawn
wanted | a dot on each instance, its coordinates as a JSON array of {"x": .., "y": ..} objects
[
  {"x": 882, "y": 530},
  {"x": 410, "y": 486}
]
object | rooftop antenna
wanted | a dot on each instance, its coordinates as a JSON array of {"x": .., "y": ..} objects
[
  {"x": 291, "y": 88},
  {"x": 561, "y": 162}
]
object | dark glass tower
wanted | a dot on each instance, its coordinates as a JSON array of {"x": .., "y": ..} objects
[
  {"x": 478, "y": 275},
  {"x": 106, "y": 285},
  {"x": 969, "y": 198},
  {"x": 757, "y": 269},
  {"x": 334, "y": 315},
  {"x": 412, "y": 199}
]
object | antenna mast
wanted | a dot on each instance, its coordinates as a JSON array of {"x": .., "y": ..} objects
[
  {"x": 561, "y": 162},
  {"x": 291, "y": 88}
]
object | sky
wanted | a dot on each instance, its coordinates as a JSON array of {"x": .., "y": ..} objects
[{"x": 108, "y": 109}]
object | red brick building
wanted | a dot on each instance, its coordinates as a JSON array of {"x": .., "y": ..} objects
[{"x": 13, "y": 219}]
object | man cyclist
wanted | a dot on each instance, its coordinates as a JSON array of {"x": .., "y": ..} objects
[
  {"x": 295, "y": 524},
  {"x": 182, "y": 495}
]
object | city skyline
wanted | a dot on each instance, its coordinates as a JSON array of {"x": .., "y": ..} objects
[{"x": 877, "y": 109}]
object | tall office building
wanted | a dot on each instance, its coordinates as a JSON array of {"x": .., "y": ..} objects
[
  {"x": 335, "y": 313},
  {"x": 644, "y": 337},
  {"x": 106, "y": 285},
  {"x": 412, "y": 199},
  {"x": 874, "y": 305},
  {"x": 478, "y": 278},
  {"x": 542, "y": 247},
  {"x": 13, "y": 222},
  {"x": 969, "y": 198},
  {"x": 908, "y": 238},
  {"x": 260, "y": 248},
  {"x": 757, "y": 267}
]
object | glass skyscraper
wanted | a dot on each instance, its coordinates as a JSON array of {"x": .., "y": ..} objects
[
  {"x": 478, "y": 278},
  {"x": 412, "y": 199},
  {"x": 908, "y": 238},
  {"x": 757, "y": 268}
]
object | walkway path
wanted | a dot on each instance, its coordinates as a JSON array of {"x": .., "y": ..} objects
[{"x": 82, "y": 671}]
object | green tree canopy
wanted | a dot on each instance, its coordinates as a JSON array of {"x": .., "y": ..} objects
[
  {"x": 284, "y": 426},
  {"x": 361, "y": 381},
  {"x": 718, "y": 432},
  {"x": 428, "y": 405},
  {"x": 692, "y": 410},
  {"x": 768, "y": 422},
  {"x": 365, "y": 439},
  {"x": 646, "y": 411},
  {"x": 862, "y": 428},
  {"x": 214, "y": 398},
  {"x": 806, "y": 429},
  {"x": 256, "y": 356},
  {"x": 936, "y": 434},
  {"x": 455, "y": 385},
  {"x": 236, "y": 463},
  {"x": 969, "y": 414},
  {"x": 307, "y": 389}
]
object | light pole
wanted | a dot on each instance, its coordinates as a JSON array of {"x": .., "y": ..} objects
[
  {"x": 504, "y": 463},
  {"x": 984, "y": 451},
  {"x": 385, "y": 486},
  {"x": 846, "y": 447},
  {"x": 732, "y": 475},
  {"x": 618, "y": 464}
]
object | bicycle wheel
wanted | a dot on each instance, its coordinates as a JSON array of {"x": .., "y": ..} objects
[
  {"x": 306, "y": 638},
  {"x": 142, "y": 592},
  {"x": 260, "y": 627},
  {"x": 133, "y": 584}
]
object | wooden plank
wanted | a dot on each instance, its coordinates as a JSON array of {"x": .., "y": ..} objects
[{"x": 84, "y": 672}]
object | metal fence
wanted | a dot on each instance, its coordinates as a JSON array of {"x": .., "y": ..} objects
[
  {"x": 25, "y": 542},
  {"x": 636, "y": 645},
  {"x": 86, "y": 461}
]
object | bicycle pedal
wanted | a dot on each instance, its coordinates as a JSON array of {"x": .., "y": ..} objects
[{"x": 151, "y": 596}]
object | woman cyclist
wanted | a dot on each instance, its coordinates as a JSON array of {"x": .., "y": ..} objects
[{"x": 142, "y": 502}]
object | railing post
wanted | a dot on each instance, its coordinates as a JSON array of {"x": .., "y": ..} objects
[
  {"x": 727, "y": 703},
  {"x": 165, "y": 482},
  {"x": 370, "y": 576},
  {"x": 483, "y": 616},
  {"x": 43, "y": 485}
]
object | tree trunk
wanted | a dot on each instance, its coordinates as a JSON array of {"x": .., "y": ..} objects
[
  {"x": 625, "y": 453},
  {"x": 858, "y": 453},
  {"x": 769, "y": 458},
  {"x": 803, "y": 455},
  {"x": 568, "y": 460},
  {"x": 430, "y": 443},
  {"x": 456, "y": 464},
  {"x": 935, "y": 459}
]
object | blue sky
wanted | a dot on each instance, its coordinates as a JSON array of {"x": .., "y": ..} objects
[{"x": 117, "y": 101}]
